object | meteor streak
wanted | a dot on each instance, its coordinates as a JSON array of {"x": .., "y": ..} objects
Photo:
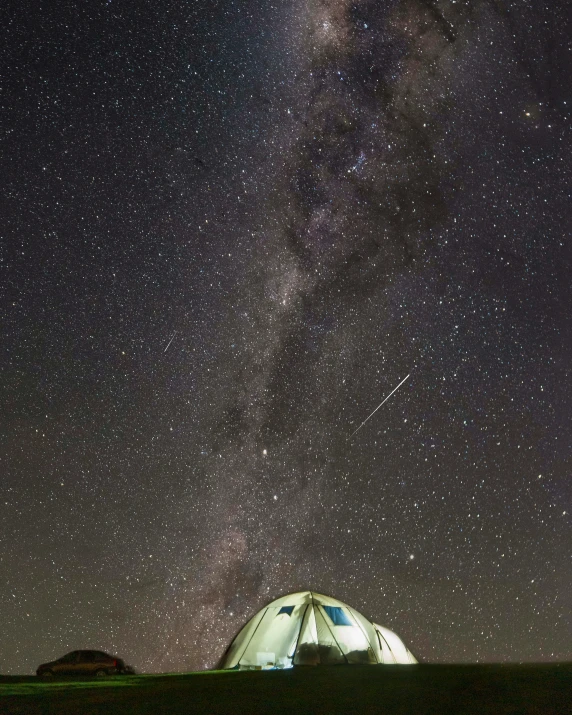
[
  {"x": 170, "y": 341},
  {"x": 377, "y": 408}
]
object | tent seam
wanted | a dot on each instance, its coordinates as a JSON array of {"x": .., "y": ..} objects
[
  {"x": 334, "y": 637},
  {"x": 364, "y": 633},
  {"x": 252, "y": 636},
  {"x": 380, "y": 636},
  {"x": 300, "y": 633}
]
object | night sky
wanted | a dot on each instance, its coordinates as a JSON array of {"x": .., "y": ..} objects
[{"x": 229, "y": 228}]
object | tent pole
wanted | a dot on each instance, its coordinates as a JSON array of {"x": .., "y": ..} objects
[
  {"x": 300, "y": 632},
  {"x": 333, "y": 636},
  {"x": 379, "y": 637},
  {"x": 358, "y": 624},
  {"x": 252, "y": 636}
]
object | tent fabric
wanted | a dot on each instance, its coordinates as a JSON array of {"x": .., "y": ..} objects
[
  {"x": 393, "y": 648},
  {"x": 309, "y": 628}
]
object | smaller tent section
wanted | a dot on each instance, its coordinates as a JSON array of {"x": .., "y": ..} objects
[
  {"x": 308, "y": 629},
  {"x": 393, "y": 649}
]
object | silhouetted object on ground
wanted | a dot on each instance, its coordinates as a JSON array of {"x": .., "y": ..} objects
[{"x": 84, "y": 663}]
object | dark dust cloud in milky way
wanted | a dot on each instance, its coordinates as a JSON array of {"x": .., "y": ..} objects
[{"x": 229, "y": 231}]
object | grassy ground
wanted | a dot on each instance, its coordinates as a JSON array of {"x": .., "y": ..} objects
[{"x": 396, "y": 690}]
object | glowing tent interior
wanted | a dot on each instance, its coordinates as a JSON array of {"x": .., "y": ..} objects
[{"x": 309, "y": 629}]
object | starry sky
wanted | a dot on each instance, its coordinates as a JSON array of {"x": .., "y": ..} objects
[{"x": 229, "y": 230}]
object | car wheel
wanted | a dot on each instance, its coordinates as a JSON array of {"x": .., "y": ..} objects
[
  {"x": 46, "y": 674},
  {"x": 100, "y": 673}
]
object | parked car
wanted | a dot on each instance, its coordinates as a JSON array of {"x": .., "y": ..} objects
[{"x": 85, "y": 663}]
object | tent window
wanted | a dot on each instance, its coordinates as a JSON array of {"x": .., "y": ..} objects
[
  {"x": 337, "y": 616},
  {"x": 286, "y": 609}
]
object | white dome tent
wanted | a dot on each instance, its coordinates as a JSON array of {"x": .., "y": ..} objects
[
  {"x": 308, "y": 628},
  {"x": 393, "y": 649}
]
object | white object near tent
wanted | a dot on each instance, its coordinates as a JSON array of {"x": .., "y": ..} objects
[{"x": 309, "y": 629}]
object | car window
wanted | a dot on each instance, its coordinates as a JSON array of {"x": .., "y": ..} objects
[
  {"x": 87, "y": 656},
  {"x": 69, "y": 657},
  {"x": 101, "y": 657}
]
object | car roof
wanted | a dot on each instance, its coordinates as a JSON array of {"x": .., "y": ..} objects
[{"x": 100, "y": 652}]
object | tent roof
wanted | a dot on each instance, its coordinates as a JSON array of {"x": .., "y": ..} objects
[{"x": 304, "y": 597}]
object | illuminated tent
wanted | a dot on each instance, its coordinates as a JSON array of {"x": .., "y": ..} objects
[
  {"x": 309, "y": 629},
  {"x": 393, "y": 649}
]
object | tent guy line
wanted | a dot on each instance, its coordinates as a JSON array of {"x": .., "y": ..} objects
[{"x": 380, "y": 404}]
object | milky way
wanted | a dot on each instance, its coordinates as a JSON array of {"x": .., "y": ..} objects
[
  {"x": 232, "y": 232},
  {"x": 359, "y": 194}
]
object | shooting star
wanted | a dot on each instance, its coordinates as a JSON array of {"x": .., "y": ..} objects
[
  {"x": 170, "y": 341},
  {"x": 380, "y": 404}
]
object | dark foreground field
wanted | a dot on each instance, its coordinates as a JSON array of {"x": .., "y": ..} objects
[{"x": 421, "y": 689}]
